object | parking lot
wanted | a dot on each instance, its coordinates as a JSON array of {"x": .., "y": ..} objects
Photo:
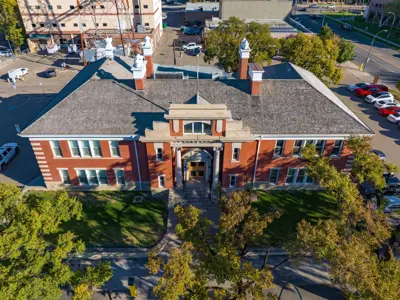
[{"x": 18, "y": 106}]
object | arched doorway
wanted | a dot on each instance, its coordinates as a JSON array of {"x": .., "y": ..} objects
[{"x": 197, "y": 165}]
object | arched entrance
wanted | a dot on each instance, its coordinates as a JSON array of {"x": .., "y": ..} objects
[{"x": 197, "y": 165}]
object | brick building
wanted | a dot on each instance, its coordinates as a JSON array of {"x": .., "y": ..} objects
[
  {"x": 112, "y": 126},
  {"x": 61, "y": 21}
]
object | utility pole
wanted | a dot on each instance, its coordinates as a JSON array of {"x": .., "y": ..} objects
[
  {"x": 120, "y": 27},
  {"x": 78, "y": 6}
]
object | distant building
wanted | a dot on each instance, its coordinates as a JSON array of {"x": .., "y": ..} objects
[
  {"x": 58, "y": 21},
  {"x": 255, "y": 9},
  {"x": 378, "y": 10},
  {"x": 201, "y": 11}
]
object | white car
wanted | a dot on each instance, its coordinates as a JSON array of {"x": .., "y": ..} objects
[
  {"x": 7, "y": 153},
  {"x": 374, "y": 97},
  {"x": 384, "y": 103},
  {"x": 191, "y": 46},
  {"x": 352, "y": 87},
  {"x": 331, "y": 6},
  {"x": 17, "y": 73},
  {"x": 395, "y": 118}
]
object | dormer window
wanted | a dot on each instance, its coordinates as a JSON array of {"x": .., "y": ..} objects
[{"x": 198, "y": 128}]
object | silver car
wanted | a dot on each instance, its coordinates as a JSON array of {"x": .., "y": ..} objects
[
  {"x": 7, "y": 154},
  {"x": 374, "y": 97}
]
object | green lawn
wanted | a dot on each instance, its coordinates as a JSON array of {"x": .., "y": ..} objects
[
  {"x": 295, "y": 206},
  {"x": 111, "y": 219}
]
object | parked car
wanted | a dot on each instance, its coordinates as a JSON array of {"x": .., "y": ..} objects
[
  {"x": 6, "y": 53},
  {"x": 331, "y": 6},
  {"x": 347, "y": 27},
  {"x": 394, "y": 118},
  {"x": 51, "y": 72},
  {"x": 192, "y": 31},
  {"x": 352, "y": 87},
  {"x": 316, "y": 17},
  {"x": 389, "y": 110},
  {"x": 370, "y": 89},
  {"x": 7, "y": 153},
  {"x": 374, "y": 97},
  {"x": 392, "y": 203},
  {"x": 313, "y": 6},
  {"x": 384, "y": 103},
  {"x": 379, "y": 153},
  {"x": 303, "y": 9},
  {"x": 191, "y": 46}
]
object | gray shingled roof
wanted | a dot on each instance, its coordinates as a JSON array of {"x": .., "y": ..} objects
[{"x": 286, "y": 106}]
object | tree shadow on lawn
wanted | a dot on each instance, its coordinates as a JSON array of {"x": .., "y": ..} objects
[
  {"x": 112, "y": 219},
  {"x": 295, "y": 206}
]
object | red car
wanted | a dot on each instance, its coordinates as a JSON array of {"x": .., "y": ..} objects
[
  {"x": 369, "y": 89},
  {"x": 390, "y": 110}
]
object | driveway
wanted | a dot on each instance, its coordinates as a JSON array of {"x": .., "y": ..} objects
[{"x": 18, "y": 106}]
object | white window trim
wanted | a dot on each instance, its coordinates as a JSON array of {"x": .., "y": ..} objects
[
  {"x": 162, "y": 154},
  {"x": 80, "y": 143},
  {"x": 70, "y": 148},
  {"x": 92, "y": 147},
  {"x": 283, "y": 149},
  {"x": 303, "y": 143},
  {"x": 230, "y": 185},
  {"x": 233, "y": 155},
  {"x": 277, "y": 175},
  {"x": 64, "y": 169},
  {"x": 159, "y": 181},
  {"x": 87, "y": 176},
  {"x": 116, "y": 178},
  {"x": 296, "y": 173},
  {"x": 202, "y": 127},
  {"x": 340, "y": 149},
  {"x": 52, "y": 148},
  {"x": 111, "y": 152},
  {"x": 314, "y": 142}
]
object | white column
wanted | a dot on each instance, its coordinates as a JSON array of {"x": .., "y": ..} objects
[
  {"x": 178, "y": 168},
  {"x": 216, "y": 165}
]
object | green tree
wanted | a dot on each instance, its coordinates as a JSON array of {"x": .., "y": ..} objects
[
  {"x": 32, "y": 267},
  {"x": 84, "y": 281},
  {"x": 346, "y": 51},
  {"x": 10, "y": 22},
  {"x": 206, "y": 256},
  {"x": 314, "y": 55},
  {"x": 349, "y": 242},
  {"x": 325, "y": 33},
  {"x": 223, "y": 43}
]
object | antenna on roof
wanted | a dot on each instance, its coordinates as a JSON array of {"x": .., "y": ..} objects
[{"x": 198, "y": 86}]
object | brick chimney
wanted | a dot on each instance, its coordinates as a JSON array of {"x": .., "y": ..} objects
[
  {"x": 255, "y": 73},
  {"x": 148, "y": 55},
  {"x": 139, "y": 71},
  {"x": 244, "y": 53}
]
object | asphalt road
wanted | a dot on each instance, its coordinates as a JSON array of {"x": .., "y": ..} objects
[{"x": 384, "y": 61}]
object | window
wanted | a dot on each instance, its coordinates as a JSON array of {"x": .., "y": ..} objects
[
  {"x": 114, "y": 148},
  {"x": 85, "y": 148},
  {"x": 95, "y": 148},
  {"x": 30, "y": 7},
  {"x": 102, "y": 6},
  {"x": 159, "y": 154},
  {"x": 146, "y": 24},
  {"x": 273, "y": 176},
  {"x": 93, "y": 6},
  {"x": 136, "y": 6},
  {"x": 301, "y": 175},
  {"x": 105, "y": 24},
  {"x": 161, "y": 181},
  {"x": 120, "y": 176},
  {"x": 80, "y": 6},
  {"x": 33, "y": 25},
  {"x": 197, "y": 128},
  {"x": 37, "y": 6},
  {"x": 280, "y": 144},
  {"x": 319, "y": 145},
  {"x": 50, "y": 7},
  {"x": 84, "y": 24},
  {"x": 65, "y": 177},
  {"x": 92, "y": 177},
  {"x": 145, "y": 6},
  {"x": 58, "y": 6},
  {"x": 75, "y": 151},
  {"x": 54, "y": 25},
  {"x": 102, "y": 176},
  {"x": 75, "y": 24},
  {"x": 41, "y": 25},
  {"x": 55, "y": 145},
  {"x": 62, "y": 24},
  {"x": 71, "y": 7},
  {"x": 297, "y": 147},
  {"x": 337, "y": 148},
  {"x": 97, "y": 24},
  {"x": 82, "y": 177},
  {"x": 232, "y": 181},
  {"x": 291, "y": 175},
  {"x": 235, "y": 154}
]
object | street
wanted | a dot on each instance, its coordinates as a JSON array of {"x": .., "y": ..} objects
[{"x": 384, "y": 61}]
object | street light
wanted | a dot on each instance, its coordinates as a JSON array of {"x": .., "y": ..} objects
[
  {"x": 394, "y": 20},
  {"x": 370, "y": 48}
]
